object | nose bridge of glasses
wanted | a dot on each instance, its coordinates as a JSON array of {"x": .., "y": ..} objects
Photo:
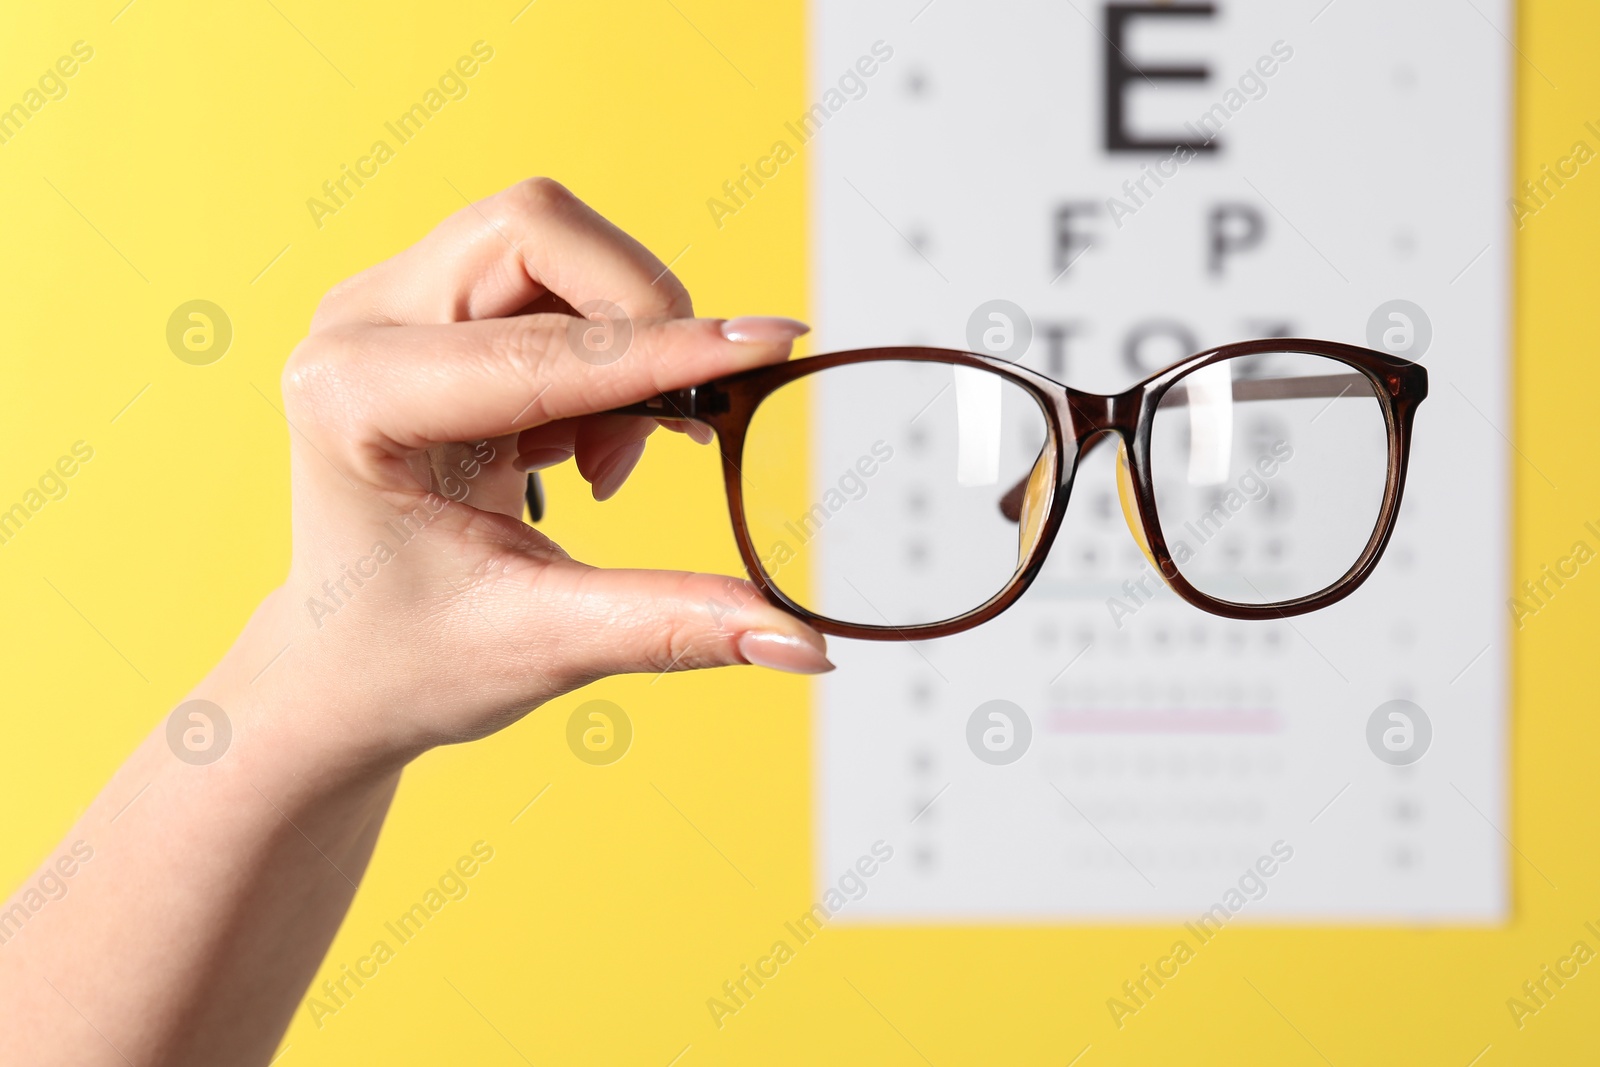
[
  {"x": 1086, "y": 414},
  {"x": 1094, "y": 416},
  {"x": 1087, "y": 419},
  {"x": 1097, "y": 418}
]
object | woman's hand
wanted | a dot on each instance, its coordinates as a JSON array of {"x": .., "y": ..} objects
[
  {"x": 428, "y": 385},
  {"x": 418, "y": 610}
]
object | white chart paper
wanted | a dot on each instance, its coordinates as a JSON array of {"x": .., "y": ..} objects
[{"x": 1171, "y": 749}]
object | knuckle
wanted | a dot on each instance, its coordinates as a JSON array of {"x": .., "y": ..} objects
[
  {"x": 685, "y": 637},
  {"x": 304, "y": 374},
  {"x": 340, "y": 302},
  {"x": 315, "y": 382},
  {"x": 675, "y": 651},
  {"x": 540, "y": 197},
  {"x": 331, "y": 303},
  {"x": 679, "y": 303},
  {"x": 525, "y": 351}
]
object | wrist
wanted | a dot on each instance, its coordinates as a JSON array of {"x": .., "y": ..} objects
[{"x": 293, "y": 709}]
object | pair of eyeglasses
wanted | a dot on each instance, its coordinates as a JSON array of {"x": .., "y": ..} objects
[{"x": 1259, "y": 480}]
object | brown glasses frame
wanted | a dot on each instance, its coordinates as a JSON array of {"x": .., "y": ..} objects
[{"x": 1074, "y": 418}]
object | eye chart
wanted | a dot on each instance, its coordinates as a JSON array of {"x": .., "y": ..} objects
[{"x": 1346, "y": 177}]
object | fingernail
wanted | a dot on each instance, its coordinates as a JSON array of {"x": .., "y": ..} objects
[
  {"x": 783, "y": 653},
  {"x": 700, "y": 433},
  {"x": 763, "y": 329},
  {"x": 609, "y": 478},
  {"x": 537, "y": 459}
]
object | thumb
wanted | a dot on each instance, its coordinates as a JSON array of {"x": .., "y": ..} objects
[{"x": 641, "y": 621}]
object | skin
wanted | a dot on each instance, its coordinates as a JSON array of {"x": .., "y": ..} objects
[{"x": 446, "y": 354}]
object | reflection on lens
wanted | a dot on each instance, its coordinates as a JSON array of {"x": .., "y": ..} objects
[
  {"x": 893, "y": 515},
  {"x": 1269, "y": 474}
]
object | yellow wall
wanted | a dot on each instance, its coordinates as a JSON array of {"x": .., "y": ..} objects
[{"x": 191, "y": 141}]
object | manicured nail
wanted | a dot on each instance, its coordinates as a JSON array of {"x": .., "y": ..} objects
[
  {"x": 609, "y": 478},
  {"x": 537, "y": 459},
  {"x": 700, "y": 433},
  {"x": 763, "y": 329},
  {"x": 783, "y": 653}
]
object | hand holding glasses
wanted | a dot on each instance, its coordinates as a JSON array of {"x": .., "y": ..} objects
[{"x": 1260, "y": 479}]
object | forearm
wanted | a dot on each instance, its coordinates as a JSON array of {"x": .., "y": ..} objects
[{"x": 201, "y": 898}]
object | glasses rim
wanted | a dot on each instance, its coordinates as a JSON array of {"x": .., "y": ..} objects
[{"x": 1076, "y": 422}]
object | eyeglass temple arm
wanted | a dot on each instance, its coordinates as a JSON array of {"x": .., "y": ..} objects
[
  {"x": 1329, "y": 385},
  {"x": 678, "y": 405}
]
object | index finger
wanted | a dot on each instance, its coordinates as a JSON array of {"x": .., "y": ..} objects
[{"x": 399, "y": 390}]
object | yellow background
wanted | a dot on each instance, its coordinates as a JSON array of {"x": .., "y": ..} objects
[{"x": 605, "y": 920}]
